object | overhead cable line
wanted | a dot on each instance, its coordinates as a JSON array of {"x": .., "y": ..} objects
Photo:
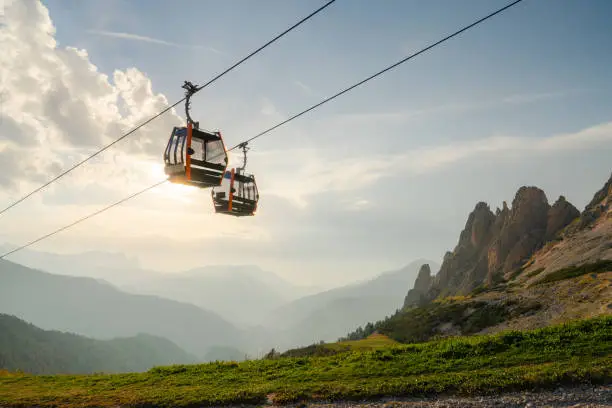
[
  {"x": 83, "y": 219},
  {"x": 169, "y": 107},
  {"x": 350, "y": 88},
  {"x": 287, "y": 120}
]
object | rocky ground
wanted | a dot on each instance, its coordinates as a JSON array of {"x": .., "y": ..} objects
[
  {"x": 583, "y": 397},
  {"x": 578, "y": 298}
]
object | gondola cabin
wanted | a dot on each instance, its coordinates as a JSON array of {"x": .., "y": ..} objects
[
  {"x": 237, "y": 195},
  {"x": 195, "y": 157}
]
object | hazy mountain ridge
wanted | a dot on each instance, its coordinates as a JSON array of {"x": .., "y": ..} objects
[
  {"x": 95, "y": 308},
  {"x": 25, "y": 347},
  {"x": 330, "y": 314},
  {"x": 90, "y": 308},
  {"x": 243, "y": 294}
]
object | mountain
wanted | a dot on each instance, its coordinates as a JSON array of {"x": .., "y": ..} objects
[
  {"x": 528, "y": 266},
  {"x": 330, "y": 314},
  {"x": 243, "y": 294},
  {"x": 91, "y": 308},
  {"x": 114, "y": 268},
  {"x": 494, "y": 245},
  {"x": 30, "y": 349}
]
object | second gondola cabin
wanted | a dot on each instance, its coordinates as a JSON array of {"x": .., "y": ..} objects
[
  {"x": 237, "y": 195},
  {"x": 195, "y": 157}
]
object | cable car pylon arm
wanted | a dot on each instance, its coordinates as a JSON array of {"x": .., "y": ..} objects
[
  {"x": 244, "y": 148},
  {"x": 190, "y": 89}
]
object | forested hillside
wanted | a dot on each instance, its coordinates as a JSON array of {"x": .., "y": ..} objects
[{"x": 27, "y": 348}]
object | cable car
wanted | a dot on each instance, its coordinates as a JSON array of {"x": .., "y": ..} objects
[
  {"x": 193, "y": 156},
  {"x": 238, "y": 194}
]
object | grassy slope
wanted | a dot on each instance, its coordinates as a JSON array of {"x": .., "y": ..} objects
[
  {"x": 372, "y": 342},
  {"x": 576, "y": 352},
  {"x": 524, "y": 301}
]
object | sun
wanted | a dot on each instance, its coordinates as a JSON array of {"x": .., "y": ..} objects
[{"x": 172, "y": 190}]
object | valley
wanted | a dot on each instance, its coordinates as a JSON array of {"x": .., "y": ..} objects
[{"x": 522, "y": 302}]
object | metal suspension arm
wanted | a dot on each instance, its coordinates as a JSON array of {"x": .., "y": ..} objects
[
  {"x": 244, "y": 148},
  {"x": 190, "y": 89}
]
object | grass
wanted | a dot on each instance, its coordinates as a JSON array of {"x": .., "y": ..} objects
[
  {"x": 372, "y": 342},
  {"x": 467, "y": 317},
  {"x": 578, "y": 352},
  {"x": 574, "y": 271}
]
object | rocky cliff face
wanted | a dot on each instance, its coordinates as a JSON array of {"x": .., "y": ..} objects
[
  {"x": 467, "y": 263},
  {"x": 492, "y": 246},
  {"x": 587, "y": 239},
  {"x": 417, "y": 295},
  {"x": 560, "y": 215},
  {"x": 599, "y": 207}
]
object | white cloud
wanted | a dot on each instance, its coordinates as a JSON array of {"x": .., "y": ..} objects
[
  {"x": 313, "y": 173},
  {"x": 142, "y": 38},
  {"x": 305, "y": 88},
  {"x": 403, "y": 116},
  {"x": 58, "y": 108}
]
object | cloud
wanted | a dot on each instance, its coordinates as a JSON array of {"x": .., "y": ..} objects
[
  {"x": 142, "y": 38},
  {"x": 315, "y": 173},
  {"x": 402, "y": 116},
  {"x": 57, "y": 109},
  {"x": 305, "y": 88}
]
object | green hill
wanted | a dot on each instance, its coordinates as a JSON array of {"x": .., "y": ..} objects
[
  {"x": 27, "y": 348},
  {"x": 580, "y": 352}
]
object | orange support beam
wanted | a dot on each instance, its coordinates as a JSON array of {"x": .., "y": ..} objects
[
  {"x": 187, "y": 155},
  {"x": 231, "y": 192}
]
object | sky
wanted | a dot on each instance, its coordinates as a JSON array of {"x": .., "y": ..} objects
[{"x": 381, "y": 176}]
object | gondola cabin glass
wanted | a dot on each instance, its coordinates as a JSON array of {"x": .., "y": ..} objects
[
  {"x": 199, "y": 160},
  {"x": 237, "y": 195}
]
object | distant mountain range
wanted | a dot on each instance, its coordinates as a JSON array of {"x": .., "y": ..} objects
[
  {"x": 99, "y": 310},
  {"x": 241, "y": 294},
  {"x": 28, "y": 348},
  {"x": 331, "y": 314},
  {"x": 190, "y": 308}
]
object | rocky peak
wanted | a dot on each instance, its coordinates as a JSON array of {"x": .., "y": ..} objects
[
  {"x": 424, "y": 279},
  {"x": 523, "y": 230},
  {"x": 561, "y": 214},
  {"x": 603, "y": 197},
  {"x": 476, "y": 229},
  {"x": 416, "y": 296},
  {"x": 493, "y": 245},
  {"x": 600, "y": 205}
]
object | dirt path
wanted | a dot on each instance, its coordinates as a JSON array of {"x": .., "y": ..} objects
[{"x": 583, "y": 397}]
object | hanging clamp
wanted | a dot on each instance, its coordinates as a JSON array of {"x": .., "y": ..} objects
[
  {"x": 190, "y": 89},
  {"x": 244, "y": 148}
]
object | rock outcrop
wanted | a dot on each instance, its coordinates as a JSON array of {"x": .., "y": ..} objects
[
  {"x": 492, "y": 246},
  {"x": 467, "y": 263},
  {"x": 561, "y": 214},
  {"x": 523, "y": 230},
  {"x": 600, "y": 206},
  {"x": 417, "y": 295},
  {"x": 586, "y": 240}
]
